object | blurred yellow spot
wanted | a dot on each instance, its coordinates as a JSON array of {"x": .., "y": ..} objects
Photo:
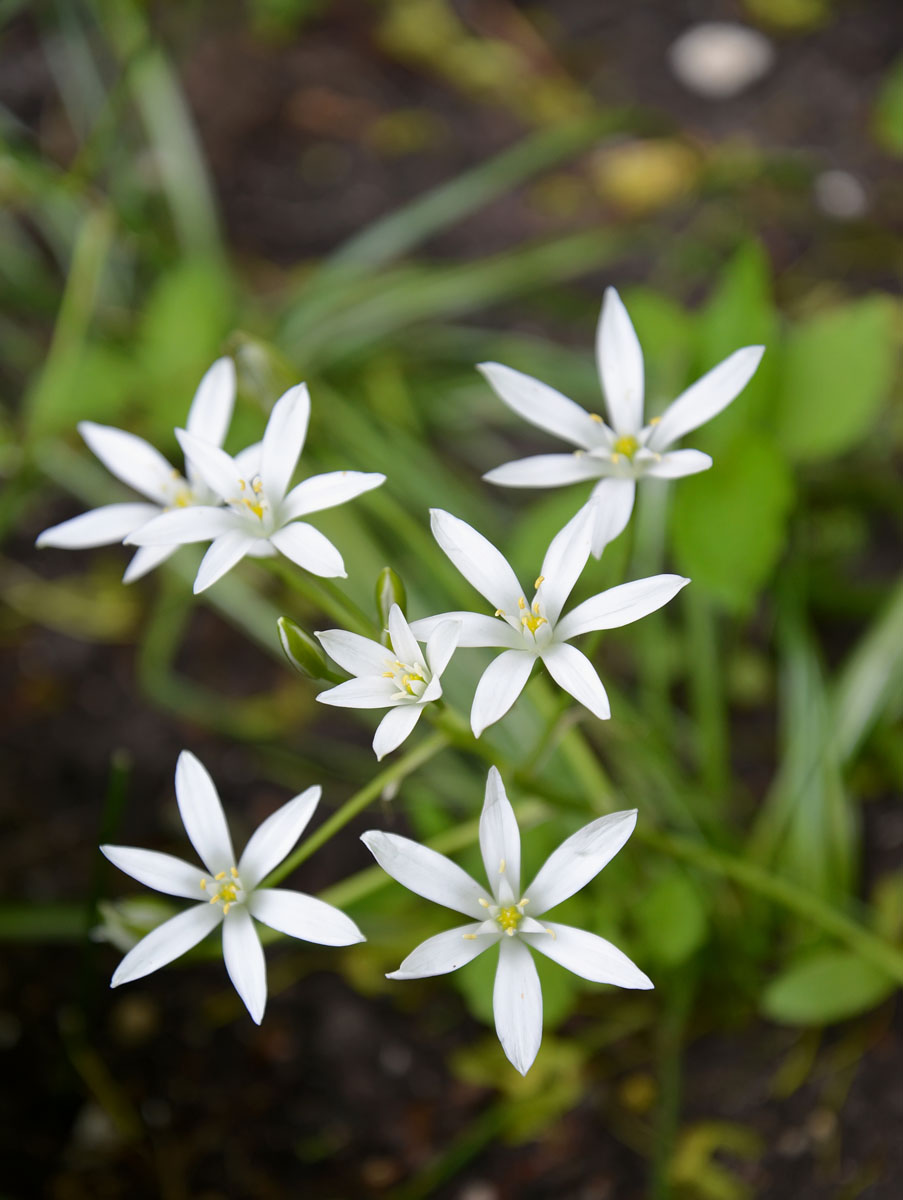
[
  {"x": 627, "y": 445},
  {"x": 644, "y": 176}
]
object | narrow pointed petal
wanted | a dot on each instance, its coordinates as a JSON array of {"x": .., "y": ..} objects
[
  {"x": 573, "y": 671},
  {"x": 163, "y": 872},
  {"x": 706, "y": 397},
  {"x": 370, "y": 691},
  {"x": 500, "y": 685},
  {"x": 677, "y": 463},
  {"x": 445, "y": 952},
  {"x": 476, "y": 629},
  {"x": 130, "y": 458},
  {"x": 211, "y": 464},
  {"x": 517, "y": 1004},
  {"x": 441, "y": 645},
  {"x": 395, "y": 726},
  {"x": 327, "y": 491},
  {"x": 621, "y": 605},
  {"x": 202, "y": 814},
  {"x": 275, "y": 837},
  {"x": 211, "y": 408},
  {"x": 620, "y": 362},
  {"x": 612, "y": 502},
  {"x": 427, "y": 873},
  {"x": 544, "y": 471},
  {"x": 564, "y": 562},
  {"x": 100, "y": 527},
  {"x": 244, "y": 959},
  {"x": 222, "y": 555},
  {"x": 283, "y": 441},
  {"x": 477, "y": 560},
  {"x": 499, "y": 835},
  {"x": 181, "y": 526},
  {"x": 310, "y": 549},
  {"x": 145, "y": 560},
  {"x": 579, "y": 859},
  {"x": 588, "y": 955},
  {"x": 541, "y": 405},
  {"x": 305, "y": 917},
  {"x": 248, "y": 461},
  {"x": 404, "y": 644},
  {"x": 167, "y": 942},
  {"x": 359, "y": 655}
]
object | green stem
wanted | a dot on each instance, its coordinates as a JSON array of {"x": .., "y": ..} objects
[
  {"x": 324, "y": 594},
  {"x": 707, "y": 693},
  {"x": 357, "y": 803}
]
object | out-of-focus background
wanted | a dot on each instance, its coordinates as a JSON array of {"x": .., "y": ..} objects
[{"x": 373, "y": 197}]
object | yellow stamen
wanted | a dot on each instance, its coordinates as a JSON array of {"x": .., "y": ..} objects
[
  {"x": 509, "y": 919},
  {"x": 654, "y": 420},
  {"x": 502, "y": 865},
  {"x": 626, "y": 445},
  {"x": 469, "y": 937},
  {"x": 226, "y": 908},
  {"x": 499, "y": 613},
  {"x": 597, "y": 418},
  {"x": 222, "y": 875},
  {"x": 484, "y": 903},
  {"x": 539, "y": 580},
  {"x": 203, "y": 885}
]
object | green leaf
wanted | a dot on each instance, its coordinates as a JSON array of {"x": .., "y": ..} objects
[
  {"x": 825, "y": 987},
  {"x": 837, "y": 371},
  {"x": 887, "y": 120},
  {"x": 730, "y": 522},
  {"x": 672, "y": 919}
]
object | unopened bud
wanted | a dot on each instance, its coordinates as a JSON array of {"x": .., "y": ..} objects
[
  {"x": 389, "y": 590},
  {"x": 302, "y": 651}
]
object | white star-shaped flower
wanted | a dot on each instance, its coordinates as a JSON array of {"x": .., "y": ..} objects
[
  {"x": 528, "y": 631},
  {"x": 624, "y": 450},
  {"x": 506, "y": 915},
  {"x": 402, "y": 678},
  {"x": 137, "y": 463},
  {"x": 260, "y": 516},
  {"x": 227, "y": 889}
]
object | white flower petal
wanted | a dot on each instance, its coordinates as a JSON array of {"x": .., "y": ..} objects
[
  {"x": 445, "y": 952},
  {"x": 129, "y": 458},
  {"x": 202, "y": 814},
  {"x": 304, "y": 917},
  {"x": 564, "y": 562},
  {"x": 425, "y": 872},
  {"x": 620, "y": 362},
  {"x": 441, "y": 645},
  {"x": 100, "y": 527},
  {"x": 476, "y": 629},
  {"x": 545, "y": 470},
  {"x": 283, "y": 441},
  {"x": 145, "y": 560},
  {"x": 620, "y": 605},
  {"x": 369, "y": 691},
  {"x": 612, "y": 502},
  {"x": 244, "y": 959},
  {"x": 404, "y": 644},
  {"x": 588, "y": 955},
  {"x": 677, "y": 463},
  {"x": 211, "y": 464},
  {"x": 499, "y": 836},
  {"x": 222, "y": 555},
  {"x": 211, "y": 408},
  {"x": 517, "y": 1004},
  {"x": 579, "y": 859},
  {"x": 541, "y": 405},
  {"x": 248, "y": 461},
  {"x": 477, "y": 560},
  {"x": 359, "y": 655},
  {"x": 310, "y": 549},
  {"x": 573, "y": 671},
  {"x": 181, "y": 526},
  {"x": 395, "y": 726},
  {"x": 275, "y": 837},
  {"x": 327, "y": 491},
  {"x": 706, "y": 397},
  {"x": 167, "y": 942},
  {"x": 500, "y": 685},
  {"x": 164, "y": 872}
]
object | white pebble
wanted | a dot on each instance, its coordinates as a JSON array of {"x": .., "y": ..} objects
[
  {"x": 840, "y": 194},
  {"x": 718, "y": 59}
]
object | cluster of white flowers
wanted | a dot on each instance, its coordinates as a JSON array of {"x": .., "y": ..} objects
[{"x": 245, "y": 506}]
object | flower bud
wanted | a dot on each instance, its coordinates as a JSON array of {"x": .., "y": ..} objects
[
  {"x": 389, "y": 590},
  {"x": 302, "y": 651}
]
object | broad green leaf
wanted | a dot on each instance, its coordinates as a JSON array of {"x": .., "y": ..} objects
[
  {"x": 837, "y": 371},
  {"x": 672, "y": 919},
  {"x": 825, "y": 987},
  {"x": 730, "y": 521}
]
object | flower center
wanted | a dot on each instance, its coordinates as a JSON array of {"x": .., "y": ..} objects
[
  {"x": 180, "y": 492},
  {"x": 627, "y": 445},
  {"x": 252, "y": 496},
  {"x": 509, "y": 918},
  {"x": 410, "y": 680},
  {"x": 228, "y": 889}
]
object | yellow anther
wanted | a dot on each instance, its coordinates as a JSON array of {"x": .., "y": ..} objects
[
  {"x": 509, "y": 918},
  {"x": 222, "y": 875},
  {"x": 469, "y": 937},
  {"x": 226, "y": 908},
  {"x": 388, "y": 674},
  {"x": 539, "y": 579},
  {"x": 214, "y": 899},
  {"x": 523, "y": 903},
  {"x": 615, "y": 457},
  {"x": 233, "y": 871},
  {"x": 484, "y": 903},
  {"x": 522, "y": 604},
  {"x": 626, "y": 445},
  {"x": 502, "y": 865},
  {"x": 257, "y": 485},
  {"x": 203, "y": 885},
  {"x": 597, "y": 418},
  {"x": 499, "y": 613},
  {"x": 654, "y": 420}
]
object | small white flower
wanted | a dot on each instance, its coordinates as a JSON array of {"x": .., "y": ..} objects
[
  {"x": 403, "y": 678},
  {"x": 533, "y": 630},
  {"x": 506, "y": 915},
  {"x": 228, "y": 889},
  {"x": 138, "y": 464},
  {"x": 260, "y": 516},
  {"x": 720, "y": 59},
  {"x": 623, "y": 451}
]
